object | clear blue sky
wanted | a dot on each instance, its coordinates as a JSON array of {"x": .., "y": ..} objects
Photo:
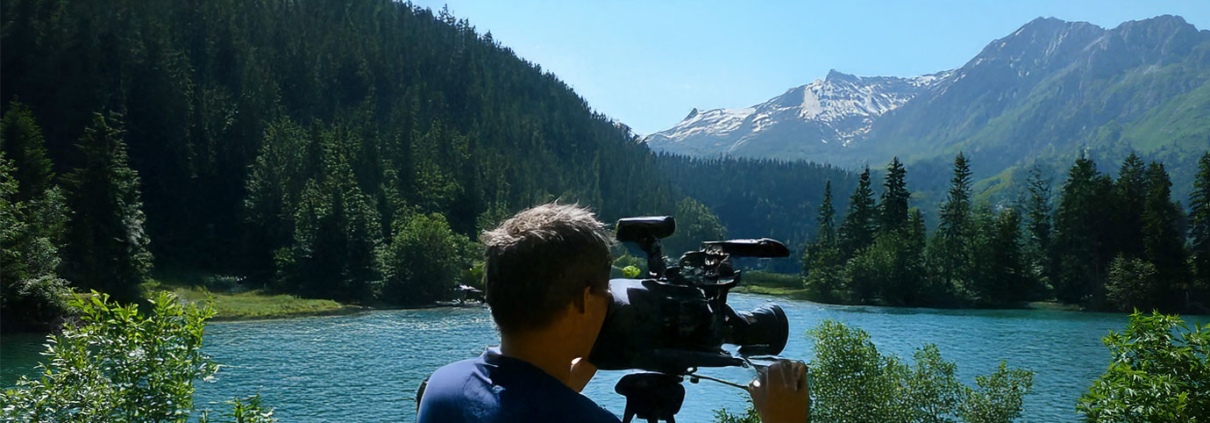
[{"x": 647, "y": 63}]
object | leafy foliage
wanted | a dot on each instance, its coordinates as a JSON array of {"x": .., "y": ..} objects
[
  {"x": 421, "y": 263},
  {"x": 244, "y": 410},
  {"x": 1159, "y": 373},
  {"x": 118, "y": 365},
  {"x": 1132, "y": 284},
  {"x": 852, "y": 382},
  {"x": 121, "y": 365},
  {"x": 694, "y": 224}
]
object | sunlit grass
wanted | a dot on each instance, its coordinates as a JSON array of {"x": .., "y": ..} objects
[{"x": 255, "y": 304}]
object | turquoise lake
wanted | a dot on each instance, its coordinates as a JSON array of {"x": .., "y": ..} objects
[{"x": 366, "y": 367}]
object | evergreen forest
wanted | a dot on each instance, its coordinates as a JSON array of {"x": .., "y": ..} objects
[
  {"x": 341, "y": 150},
  {"x": 1090, "y": 239}
]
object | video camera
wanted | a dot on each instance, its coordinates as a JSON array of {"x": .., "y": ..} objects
[{"x": 676, "y": 319}]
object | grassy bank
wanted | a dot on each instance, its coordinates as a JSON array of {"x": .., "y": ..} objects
[
  {"x": 255, "y": 304},
  {"x": 777, "y": 284}
]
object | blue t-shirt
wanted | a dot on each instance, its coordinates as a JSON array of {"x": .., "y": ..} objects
[{"x": 498, "y": 389}]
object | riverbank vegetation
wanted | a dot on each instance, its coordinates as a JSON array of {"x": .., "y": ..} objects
[
  {"x": 1158, "y": 373},
  {"x": 123, "y": 364},
  {"x": 1100, "y": 242}
]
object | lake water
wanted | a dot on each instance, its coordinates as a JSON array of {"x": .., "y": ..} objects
[{"x": 366, "y": 367}]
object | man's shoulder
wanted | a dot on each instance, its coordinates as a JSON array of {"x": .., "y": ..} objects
[
  {"x": 475, "y": 391},
  {"x": 458, "y": 369},
  {"x": 447, "y": 392}
]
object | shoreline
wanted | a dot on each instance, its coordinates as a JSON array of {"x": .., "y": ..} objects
[{"x": 802, "y": 294}]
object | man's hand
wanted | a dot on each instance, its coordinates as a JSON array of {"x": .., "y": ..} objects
[
  {"x": 581, "y": 372},
  {"x": 780, "y": 394}
]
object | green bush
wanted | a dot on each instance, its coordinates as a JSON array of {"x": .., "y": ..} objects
[
  {"x": 1159, "y": 373},
  {"x": 121, "y": 365},
  {"x": 1132, "y": 285},
  {"x": 423, "y": 261},
  {"x": 852, "y": 382},
  {"x": 247, "y": 410}
]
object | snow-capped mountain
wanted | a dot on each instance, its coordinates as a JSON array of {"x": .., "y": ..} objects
[{"x": 817, "y": 119}]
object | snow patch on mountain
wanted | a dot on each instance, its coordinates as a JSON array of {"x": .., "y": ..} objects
[{"x": 839, "y": 108}]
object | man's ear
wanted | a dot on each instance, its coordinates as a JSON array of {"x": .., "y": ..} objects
[{"x": 581, "y": 300}]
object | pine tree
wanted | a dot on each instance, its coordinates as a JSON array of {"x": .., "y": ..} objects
[
  {"x": 893, "y": 209},
  {"x": 274, "y": 183},
  {"x": 1130, "y": 191},
  {"x": 21, "y": 140},
  {"x": 822, "y": 266},
  {"x": 1076, "y": 222},
  {"x": 916, "y": 290},
  {"x": 826, "y": 220},
  {"x": 336, "y": 234},
  {"x": 857, "y": 229},
  {"x": 955, "y": 230},
  {"x": 1162, "y": 240},
  {"x": 999, "y": 264},
  {"x": 1038, "y": 227},
  {"x": 106, "y": 243},
  {"x": 1199, "y": 224}
]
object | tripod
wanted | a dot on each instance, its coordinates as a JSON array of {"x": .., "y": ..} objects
[{"x": 651, "y": 396}]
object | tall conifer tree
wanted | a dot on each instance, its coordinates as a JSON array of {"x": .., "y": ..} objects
[
  {"x": 857, "y": 229},
  {"x": 1162, "y": 240},
  {"x": 822, "y": 263},
  {"x": 893, "y": 209},
  {"x": 1199, "y": 223},
  {"x": 1038, "y": 224},
  {"x": 1075, "y": 243},
  {"x": 826, "y": 220},
  {"x": 21, "y": 141},
  {"x": 1130, "y": 191},
  {"x": 955, "y": 229},
  {"x": 106, "y": 242}
]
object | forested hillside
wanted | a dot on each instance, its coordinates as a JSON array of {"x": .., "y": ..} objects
[{"x": 332, "y": 149}]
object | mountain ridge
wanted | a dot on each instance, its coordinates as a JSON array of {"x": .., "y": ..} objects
[
  {"x": 1042, "y": 94},
  {"x": 835, "y": 110}
]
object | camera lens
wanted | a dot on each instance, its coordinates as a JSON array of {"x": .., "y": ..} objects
[{"x": 762, "y": 331}]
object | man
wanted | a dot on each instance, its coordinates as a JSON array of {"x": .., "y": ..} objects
[{"x": 547, "y": 277}]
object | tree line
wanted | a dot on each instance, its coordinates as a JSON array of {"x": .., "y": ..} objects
[{"x": 1100, "y": 242}]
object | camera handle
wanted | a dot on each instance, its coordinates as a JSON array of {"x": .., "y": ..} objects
[{"x": 655, "y": 256}]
